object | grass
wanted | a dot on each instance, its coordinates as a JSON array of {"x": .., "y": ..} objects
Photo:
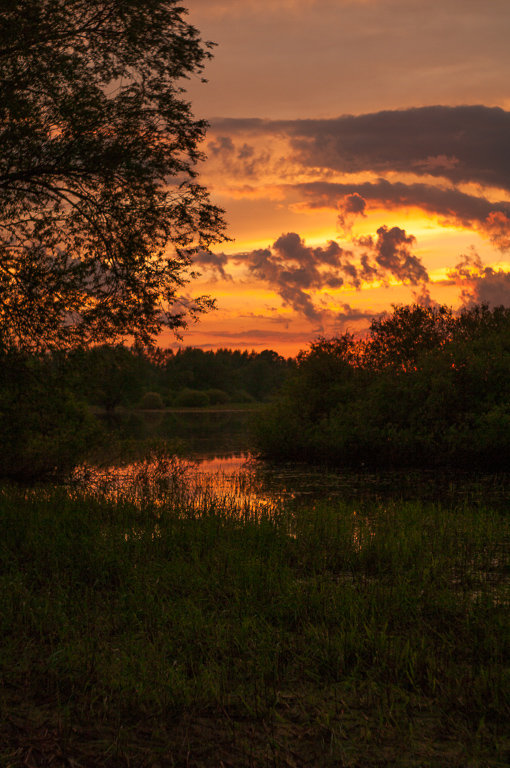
[{"x": 180, "y": 634}]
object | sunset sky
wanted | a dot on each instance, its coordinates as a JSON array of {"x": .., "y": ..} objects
[{"x": 361, "y": 151}]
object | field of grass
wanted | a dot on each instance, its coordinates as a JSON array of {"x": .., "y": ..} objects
[{"x": 137, "y": 634}]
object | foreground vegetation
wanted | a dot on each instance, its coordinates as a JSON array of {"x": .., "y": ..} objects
[
  {"x": 201, "y": 634},
  {"x": 426, "y": 387}
]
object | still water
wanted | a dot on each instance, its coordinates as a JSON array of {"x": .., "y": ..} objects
[{"x": 216, "y": 462}]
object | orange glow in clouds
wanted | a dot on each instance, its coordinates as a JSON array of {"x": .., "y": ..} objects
[{"x": 318, "y": 136}]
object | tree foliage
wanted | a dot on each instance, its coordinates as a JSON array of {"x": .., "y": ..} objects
[
  {"x": 100, "y": 208},
  {"x": 109, "y": 376},
  {"x": 426, "y": 387},
  {"x": 45, "y": 429}
]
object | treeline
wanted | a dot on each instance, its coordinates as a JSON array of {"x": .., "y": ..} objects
[
  {"x": 426, "y": 387},
  {"x": 112, "y": 376},
  {"x": 48, "y": 402}
]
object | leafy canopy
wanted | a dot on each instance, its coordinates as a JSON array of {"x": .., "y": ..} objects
[{"x": 100, "y": 210}]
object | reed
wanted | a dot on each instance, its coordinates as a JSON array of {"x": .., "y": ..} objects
[{"x": 206, "y": 632}]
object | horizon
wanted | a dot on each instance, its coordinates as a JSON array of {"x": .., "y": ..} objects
[{"x": 360, "y": 164}]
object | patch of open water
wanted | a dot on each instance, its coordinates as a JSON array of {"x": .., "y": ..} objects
[{"x": 218, "y": 463}]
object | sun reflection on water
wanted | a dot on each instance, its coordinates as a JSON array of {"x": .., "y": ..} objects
[{"x": 227, "y": 483}]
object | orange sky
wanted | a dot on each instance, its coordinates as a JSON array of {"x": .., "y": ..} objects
[{"x": 360, "y": 151}]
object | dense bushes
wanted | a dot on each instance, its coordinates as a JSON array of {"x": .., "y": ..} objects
[
  {"x": 152, "y": 401},
  {"x": 45, "y": 429},
  {"x": 426, "y": 387},
  {"x": 191, "y": 398}
]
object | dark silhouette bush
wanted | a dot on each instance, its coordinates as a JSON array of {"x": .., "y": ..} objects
[
  {"x": 191, "y": 398},
  {"x": 152, "y": 401},
  {"x": 426, "y": 387},
  {"x": 217, "y": 396},
  {"x": 241, "y": 396},
  {"x": 45, "y": 430}
]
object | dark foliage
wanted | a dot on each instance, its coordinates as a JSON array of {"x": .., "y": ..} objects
[
  {"x": 45, "y": 429},
  {"x": 110, "y": 376},
  {"x": 100, "y": 209},
  {"x": 426, "y": 387}
]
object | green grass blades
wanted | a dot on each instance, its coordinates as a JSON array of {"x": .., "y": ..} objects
[{"x": 334, "y": 635}]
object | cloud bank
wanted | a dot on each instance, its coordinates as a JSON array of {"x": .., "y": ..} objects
[
  {"x": 298, "y": 272},
  {"x": 461, "y": 144},
  {"x": 451, "y": 163}
]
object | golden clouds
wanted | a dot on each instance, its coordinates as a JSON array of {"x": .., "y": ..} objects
[{"x": 336, "y": 219}]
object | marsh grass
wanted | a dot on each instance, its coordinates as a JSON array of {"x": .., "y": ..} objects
[{"x": 216, "y": 633}]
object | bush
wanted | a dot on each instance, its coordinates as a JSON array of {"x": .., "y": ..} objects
[
  {"x": 45, "y": 430},
  {"x": 152, "y": 401},
  {"x": 242, "y": 396},
  {"x": 191, "y": 398},
  {"x": 425, "y": 388},
  {"x": 217, "y": 396}
]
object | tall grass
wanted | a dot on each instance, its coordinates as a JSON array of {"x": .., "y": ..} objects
[{"x": 204, "y": 634}]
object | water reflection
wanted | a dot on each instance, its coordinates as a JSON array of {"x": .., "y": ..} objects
[
  {"x": 165, "y": 481},
  {"x": 199, "y": 432},
  {"x": 238, "y": 481},
  {"x": 219, "y": 468}
]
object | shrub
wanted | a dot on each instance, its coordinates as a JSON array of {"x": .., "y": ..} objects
[
  {"x": 191, "y": 398},
  {"x": 217, "y": 396},
  {"x": 242, "y": 396},
  {"x": 45, "y": 430},
  {"x": 152, "y": 401}
]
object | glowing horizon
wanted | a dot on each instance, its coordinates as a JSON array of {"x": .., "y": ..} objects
[{"x": 345, "y": 195}]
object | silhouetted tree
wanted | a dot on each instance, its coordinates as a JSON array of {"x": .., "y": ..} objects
[
  {"x": 397, "y": 340},
  {"x": 99, "y": 207}
]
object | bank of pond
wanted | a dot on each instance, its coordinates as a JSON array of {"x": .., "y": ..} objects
[
  {"x": 161, "y": 621},
  {"x": 168, "y": 598},
  {"x": 427, "y": 387}
]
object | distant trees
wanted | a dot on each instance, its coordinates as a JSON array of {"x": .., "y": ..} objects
[
  {"x": 427, "y": 387},
  {"x": 109, "y": 376}
]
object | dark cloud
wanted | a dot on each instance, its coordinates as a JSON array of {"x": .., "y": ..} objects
[
  {"x": 453, "y": 206},
  {"x": 481, "y": 284},
  {"x": 422, "y": 297},
  {"x": 392, "y": 252},
  {"x": 221, "y": 145},
  {"x": 254, "y": 337},
  {"x": 238, "y": 159},
  {"x": 347, "y": 314},
  {"x": 497, "y": 226},
  {"x": 494, "y": 288},
  {"x": 295, "y": 270},
  {"x": 292, "y": 269},
  {"x": 272, "y": 319},
  {"x": 450, "y": 203},
  {"x": 214, "y": 261},
  {"x": 462, "y": 144},
  {"x": 350, "y": 208}
]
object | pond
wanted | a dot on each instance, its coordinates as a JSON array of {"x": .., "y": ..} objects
[{"x": 217, "y": 461}]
